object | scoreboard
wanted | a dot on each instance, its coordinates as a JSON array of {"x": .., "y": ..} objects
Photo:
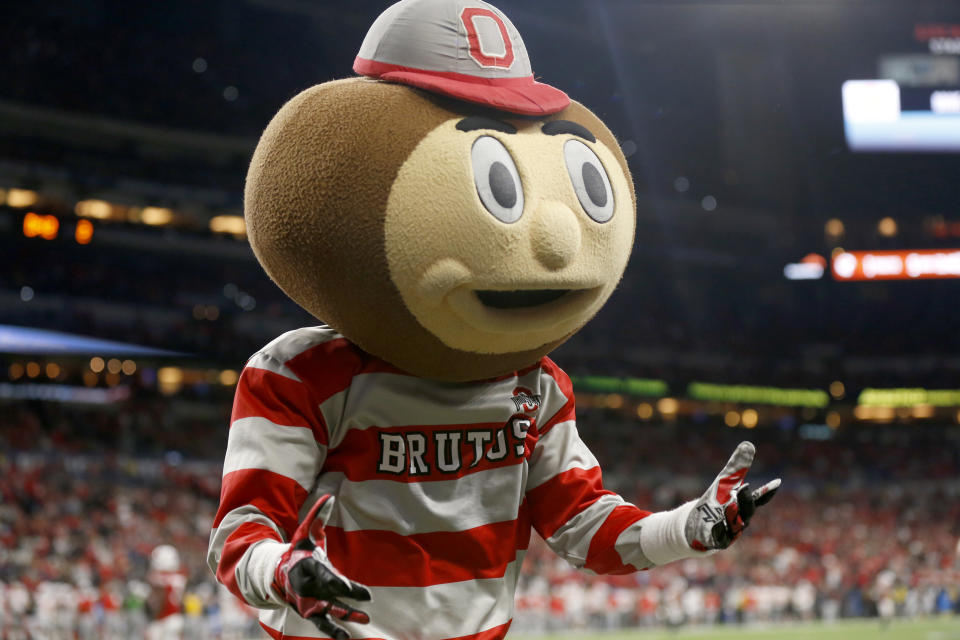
[{"x": 913, "y": 102}]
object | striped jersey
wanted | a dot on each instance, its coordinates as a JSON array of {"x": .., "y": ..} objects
[{"x": 437, "y": 484}]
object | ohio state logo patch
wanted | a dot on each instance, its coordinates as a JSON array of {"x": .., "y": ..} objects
[
  {"x": 525, "y": 400},
  {"x": 487, "y": 38}
]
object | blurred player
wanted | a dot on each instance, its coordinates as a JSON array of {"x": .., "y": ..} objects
[{"x": 167, "y": 583}]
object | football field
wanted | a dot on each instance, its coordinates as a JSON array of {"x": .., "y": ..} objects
[{"x": 926, "y": 629}]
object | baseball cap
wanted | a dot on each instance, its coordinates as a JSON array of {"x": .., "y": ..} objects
[{"x": 464, "y": 49}]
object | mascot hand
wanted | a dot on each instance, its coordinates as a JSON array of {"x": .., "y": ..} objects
[
  {"x": 310, "y": 584},
  {"x": 724, "y": 511}
]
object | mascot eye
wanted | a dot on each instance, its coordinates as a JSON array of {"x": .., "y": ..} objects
[
  {"x": 497, "y": 180},
  {"x": 589, "y": 180}
]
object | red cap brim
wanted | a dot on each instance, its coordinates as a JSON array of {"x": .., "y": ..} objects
[{"x": 525, "y": 96}]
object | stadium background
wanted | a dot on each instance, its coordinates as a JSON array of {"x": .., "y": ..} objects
[{"x": 125, "y": 129}]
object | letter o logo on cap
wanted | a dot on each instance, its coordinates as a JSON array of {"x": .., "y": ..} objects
[{"x": 489, "y": 56}]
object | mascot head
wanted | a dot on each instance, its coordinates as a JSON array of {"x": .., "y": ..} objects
[{"x": 445, "y": 212}]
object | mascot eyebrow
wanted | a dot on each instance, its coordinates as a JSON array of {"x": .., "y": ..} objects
[
  {"x": 472, "y": 123},
  {"x": 556, "y": 127},
  {"x": 552, "y": 128}
]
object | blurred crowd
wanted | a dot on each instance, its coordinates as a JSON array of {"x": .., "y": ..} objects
[
  {"x": 880, "y": 553},
  {"x": 144, "y": 428},
  {"x": 863, "y": 527},
  {"x": 77, "y": 533}
]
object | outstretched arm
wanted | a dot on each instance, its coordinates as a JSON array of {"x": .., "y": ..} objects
[
  {"x": 596, "y": 529},
  {"x": 712, "y": 522},
  {"x": 276, "y": 448}
]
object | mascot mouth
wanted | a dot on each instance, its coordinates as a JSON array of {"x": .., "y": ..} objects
[
  {"x": 522, "y": 311},
  {"x": 519, "y": 299}
]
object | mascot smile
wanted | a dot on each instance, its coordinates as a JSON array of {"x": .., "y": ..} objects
[{"x": 451, "y": 221}]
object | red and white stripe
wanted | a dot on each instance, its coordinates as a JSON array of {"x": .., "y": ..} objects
[{"x": 440, "y": 551}]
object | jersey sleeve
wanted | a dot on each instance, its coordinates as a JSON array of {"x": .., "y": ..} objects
[
  {"x": 275, "y": 450},
  {"x": 590, "y": 527}
]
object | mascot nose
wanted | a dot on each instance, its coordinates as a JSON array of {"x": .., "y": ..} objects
[{"x": 555, "y": 235}]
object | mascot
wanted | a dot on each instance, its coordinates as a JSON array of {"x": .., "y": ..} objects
[{"x": 451, "y": 221}]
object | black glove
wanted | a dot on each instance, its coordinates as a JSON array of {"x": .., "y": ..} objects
[{"x": 310, "y": 584}]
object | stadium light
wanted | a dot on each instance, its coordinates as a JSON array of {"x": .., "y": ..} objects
[
  {"x": 834, "y": 228},
  {"x": 923, "y": 411},
  {"x": 156, "y": 216},
  {"x": 909, "y": 397},
  {"x": 833, "y": 419},
  {"x": 40, "y": 226},
  {"x": 169, "y": 379},
  {"x": 746, "y": 394},
  {"x": 629, "y": 386},
  {"x": 99, "y": 209},
  {"x": 644, "y": 411},
  {"x": 229, "y": 224},
  {"x": 887, "y": 227},
  {"x": 21, "y": 198},
  {"x": 668, "y": 406},
  {"x": 84, "y": 232},
  {"x": 837, "y": 390},
  {"x": 876, "y": 414},
  {"x": 811, "y": 267}
]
